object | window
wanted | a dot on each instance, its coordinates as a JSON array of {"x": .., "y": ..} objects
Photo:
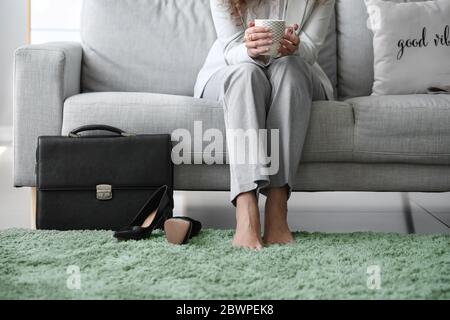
[{"x": 55, "y": 20}]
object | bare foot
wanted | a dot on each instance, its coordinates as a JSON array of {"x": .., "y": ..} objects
[
  {"x": 248, "y": 227},
  {"x": 276, "y": 228}
]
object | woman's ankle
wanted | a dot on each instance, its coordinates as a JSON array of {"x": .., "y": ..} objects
[
  {"x": 280, "y": 194},
  {"x": 248, "y": 225},
  {"x": 246, "y": 198},
  {"x": 276, "y": 209},
  {"x": 247, "y": 210}
]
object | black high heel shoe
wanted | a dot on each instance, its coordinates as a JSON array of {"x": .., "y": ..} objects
[
  {"x": 180, "y": 229},
  {"x": 152, "y": 215}
]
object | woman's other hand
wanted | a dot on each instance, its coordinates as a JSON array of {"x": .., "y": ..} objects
[
  {"x": 257, "y": 40},
  {"x": 290, "y": 41}
]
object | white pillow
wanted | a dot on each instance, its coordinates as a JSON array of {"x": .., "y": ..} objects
[{"x": 411, "y": 45}]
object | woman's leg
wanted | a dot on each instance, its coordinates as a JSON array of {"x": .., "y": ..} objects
[
  {"x": 244, "y": 91},
  {"x": 293, "y": 87},
  {"x": 276, "y": 228}
]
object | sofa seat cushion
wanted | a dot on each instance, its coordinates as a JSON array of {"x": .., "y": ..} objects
[
  {"x": 405, "y": 129},
  {"x": 147, "y": 113},
  {"x": 330, "y": 136}
]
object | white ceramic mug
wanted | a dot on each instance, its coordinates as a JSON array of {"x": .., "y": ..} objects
[{"x": 277, "y": 27}]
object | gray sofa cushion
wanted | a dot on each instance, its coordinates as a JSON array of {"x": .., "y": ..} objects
[
  {"x": 145, "y": 45},
  {"x": 355, "y": 48},
  {"x": 407, "y": 129},
  {"x": 330, "y": 136},
  {"x": 327, "y": 56},
  {"x": 144, "y": 113}
]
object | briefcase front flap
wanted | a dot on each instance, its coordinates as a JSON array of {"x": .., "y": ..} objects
[{"x": 87, "y": 163}]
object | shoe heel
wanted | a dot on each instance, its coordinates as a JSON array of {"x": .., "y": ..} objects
[{"x": 177, "y": 231}]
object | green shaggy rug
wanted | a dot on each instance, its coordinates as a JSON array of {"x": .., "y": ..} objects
[{"x": 92, "y": 265}]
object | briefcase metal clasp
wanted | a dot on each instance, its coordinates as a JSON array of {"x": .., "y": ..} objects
[{"x": 104, "y": 192}]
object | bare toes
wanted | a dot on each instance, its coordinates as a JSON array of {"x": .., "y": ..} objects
[
  {"x": 252, "y": 245},
  {"x": 285, "y": 238}
]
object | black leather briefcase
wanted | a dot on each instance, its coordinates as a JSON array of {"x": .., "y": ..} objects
[{"x": 98, "y": 181}]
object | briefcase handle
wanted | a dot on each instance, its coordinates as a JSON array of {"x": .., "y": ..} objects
[{"x": 98, "y": 127}]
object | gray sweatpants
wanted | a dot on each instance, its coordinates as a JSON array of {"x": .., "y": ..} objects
[{"x": 276, "y": 97}]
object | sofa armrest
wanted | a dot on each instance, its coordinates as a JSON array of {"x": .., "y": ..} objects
[{"x": 44, "y": 76}]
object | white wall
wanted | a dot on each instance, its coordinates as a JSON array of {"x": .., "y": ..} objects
[
  {"x": 55, "y": 20},
  {"x": 12, "y": 35}
]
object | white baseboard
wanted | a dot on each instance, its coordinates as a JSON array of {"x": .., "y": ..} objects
[{"x": 6, "y": 133}]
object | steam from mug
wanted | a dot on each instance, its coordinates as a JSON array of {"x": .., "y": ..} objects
[{"x": 277, "y": 27}]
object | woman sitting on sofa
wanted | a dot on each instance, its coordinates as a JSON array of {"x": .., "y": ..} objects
[{"x": 266, "y": 92}]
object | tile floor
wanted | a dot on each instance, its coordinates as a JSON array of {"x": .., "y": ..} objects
[{"x": 325, "y": 212}]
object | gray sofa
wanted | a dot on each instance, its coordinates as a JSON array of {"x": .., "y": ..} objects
[{"x": 136, "y": 70}]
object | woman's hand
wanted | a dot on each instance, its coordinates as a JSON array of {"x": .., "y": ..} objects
[
  {"x": 257, "y": 40},
  {"x": 290, "y": 41}
]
